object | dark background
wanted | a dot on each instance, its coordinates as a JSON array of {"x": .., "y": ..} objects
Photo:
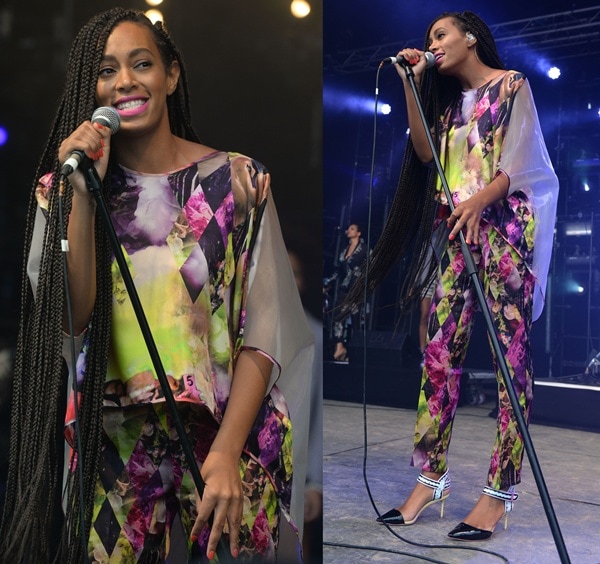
[
  {"x": 529, "y": 36},
  {"x": 255, "y": 81}
]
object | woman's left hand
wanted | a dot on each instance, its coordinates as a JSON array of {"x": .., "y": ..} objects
[
  {"x": 223, "y": 497},
  {"x": 467, "y": 216}
]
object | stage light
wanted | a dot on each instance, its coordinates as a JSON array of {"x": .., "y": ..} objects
[
  {"x": 3, "y": 136},
  {"x": 573, "y": 287},
  {"x": 339, "y": 100},
  {"x": 154, "y": 2},
  {"x": 586, "y": 187},
  {"x": 155, "y": 16},
  {"x": 553, "y": 73},
  {"x": 385, "y": 109},
  {"x": 577, "y": 229},
  {"x": 300, "y": 8}
]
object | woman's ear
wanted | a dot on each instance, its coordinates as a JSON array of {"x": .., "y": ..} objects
[{"x": 173, "y": 77}]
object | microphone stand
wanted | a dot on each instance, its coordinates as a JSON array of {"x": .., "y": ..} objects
[
  {"x": 514, "y": 401},
  {"x": 94, "y": 185}
]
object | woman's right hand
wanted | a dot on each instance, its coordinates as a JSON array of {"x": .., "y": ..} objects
[
  {"x": 416, "y": 58},
  {"x": 94, "y": 140}
]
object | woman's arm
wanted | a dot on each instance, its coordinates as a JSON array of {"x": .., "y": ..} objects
[
  {"x": 81, "y": 262},
  {"x": 418, "y": 134},
  {"x": 94, "y": 140},
  {"x": 220, "y": 471}
]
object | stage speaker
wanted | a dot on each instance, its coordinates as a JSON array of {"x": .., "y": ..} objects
[
  {"x": 385, "y": 348},
  {"x": 392, "y": 371}
]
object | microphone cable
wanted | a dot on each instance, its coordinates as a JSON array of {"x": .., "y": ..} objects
[
  {"x": 364, "y": 380},
  {"x": 73, "y": 368}
]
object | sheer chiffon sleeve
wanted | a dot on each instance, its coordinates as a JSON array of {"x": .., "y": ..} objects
[
  {"x": 276, "y": 324},
  {"x": 526, "y": 161}
]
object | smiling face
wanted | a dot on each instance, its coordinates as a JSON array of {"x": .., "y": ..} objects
[
  {"x": 133, "y": 79},
  {"x": 449, "y": 44}
]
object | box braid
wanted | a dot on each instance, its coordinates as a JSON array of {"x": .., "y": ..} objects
[
  {"x": 35, "y": 453},
  {"x": 408, "y": 228}
]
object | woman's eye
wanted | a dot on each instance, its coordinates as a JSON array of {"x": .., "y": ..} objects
[{"x": 105, "y": 72}]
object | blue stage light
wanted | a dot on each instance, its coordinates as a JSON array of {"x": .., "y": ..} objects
[
  {"x": 342, "y": 100},
  {"x": 3, "y": 135},
  {"x": 553, "y": 73}
]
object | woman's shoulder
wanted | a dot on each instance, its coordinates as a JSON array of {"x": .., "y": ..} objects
[
  {"x": 198, "y": 152},
  {"x": 194, "y": 152},
  {"x": 506, "y": 85},
  {"x": 513, "y": 80}
]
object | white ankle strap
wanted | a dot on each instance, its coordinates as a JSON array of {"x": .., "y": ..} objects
[
  {"x": 438, "y": 486},
  {"x": 509, "y": 495}
]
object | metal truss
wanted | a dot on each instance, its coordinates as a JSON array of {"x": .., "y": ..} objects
[{"x": 557, "y": 36}]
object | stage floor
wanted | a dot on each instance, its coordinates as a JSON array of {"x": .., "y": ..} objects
[{"x": 569, "y": 459}]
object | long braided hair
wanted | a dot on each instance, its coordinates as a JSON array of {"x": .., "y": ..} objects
[
  {"x": 37, "y": 418},
  {"x": 408, "y": 228}
]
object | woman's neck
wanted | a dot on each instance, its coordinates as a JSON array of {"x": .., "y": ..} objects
[
  {"x": 153, "y": 153},
  {"x": 476, "y": 75}
]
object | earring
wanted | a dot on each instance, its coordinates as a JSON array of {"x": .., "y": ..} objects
[{"x": 470, "y": 37}]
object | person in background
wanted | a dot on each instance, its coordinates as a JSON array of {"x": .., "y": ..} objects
[
  {"x": 348, "y": 268},
  {"x": 200, "y": 234}
]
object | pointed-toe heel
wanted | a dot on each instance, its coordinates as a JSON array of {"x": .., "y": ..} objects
[
  {"x": 441, "y": 491},
  {"x": 462, "y": 531},
  {"x": 466, "y": 532}
]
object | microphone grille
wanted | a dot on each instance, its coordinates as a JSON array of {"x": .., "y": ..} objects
[
  {"x": 108, "y": 117},
  {"x": 429, "y": 59}
]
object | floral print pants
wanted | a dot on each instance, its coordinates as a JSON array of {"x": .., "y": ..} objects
[
  {"x": 508, "y": 289},
  {"x": 144, "y": 488}
]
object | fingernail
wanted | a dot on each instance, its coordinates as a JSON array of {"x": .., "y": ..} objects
[
  {"x": 235, "y": 552},
  {"x": 211, "y": 554},
  {"x": 194, "y": 538},
  {"x": 98, "y": 125},
  {"x": 451, "y": 237}
]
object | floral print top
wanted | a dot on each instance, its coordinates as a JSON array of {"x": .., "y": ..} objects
[
  {"x": 187, "y": 250},
  {"x": 495, "y": 129},
  {"x": 192, "y": 240}
]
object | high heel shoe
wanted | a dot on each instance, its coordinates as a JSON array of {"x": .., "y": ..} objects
[
  {"x": 439, "y": 487},
  {"x": 463, "y": 531}
]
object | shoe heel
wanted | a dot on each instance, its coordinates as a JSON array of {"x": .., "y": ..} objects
[
  {"x": 442, "y": 508},
  {"x": 505, "y": 521}
]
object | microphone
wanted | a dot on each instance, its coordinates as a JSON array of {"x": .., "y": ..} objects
[
  {"x": 429, "y": 60},
  {"x": 104, "y": 115}
]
